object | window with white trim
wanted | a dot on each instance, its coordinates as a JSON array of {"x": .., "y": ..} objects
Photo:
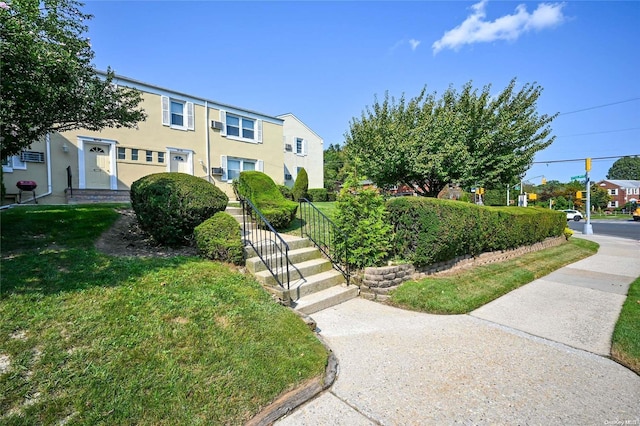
[
  {"x": 161, "y": 157},
  {"x": 613, "y": 191},
  {"x": 233, "y": 166},
  {"x": 300, "y": 146},
  {"x": 149, "y": 156},
  {"x": 122, "y": 153},
  {"x": 177, "y": 114},
  {"x": 134, "y": 155},
  {"x": 13, "y": 162},
  {"x": 241, "y": 128},
  {"x": 613, "y": 204}
]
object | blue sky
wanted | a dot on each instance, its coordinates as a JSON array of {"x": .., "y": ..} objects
[{"x": 325, "y": 61}]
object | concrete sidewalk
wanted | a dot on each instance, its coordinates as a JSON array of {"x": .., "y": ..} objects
[{"x": 533, "y": 356}]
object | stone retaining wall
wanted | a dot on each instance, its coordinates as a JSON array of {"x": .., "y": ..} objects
[{"x": 376, "y": 283}]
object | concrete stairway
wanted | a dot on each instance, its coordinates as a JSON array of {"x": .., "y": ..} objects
[{"x": 314, "y": 283}]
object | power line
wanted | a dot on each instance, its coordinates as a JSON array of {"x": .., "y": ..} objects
[
  {"x": 599, "y": 133},
  {"x": 599, "y": 106},
  {"x": 582, "y": 159}
]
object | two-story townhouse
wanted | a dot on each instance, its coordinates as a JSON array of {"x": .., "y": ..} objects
[
  {"x": 182, "y": 133},
  {"x": 621, "y": 191},
  {"x": 303, "y": 148}
]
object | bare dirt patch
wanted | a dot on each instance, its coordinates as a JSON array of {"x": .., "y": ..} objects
[{"x": 126, "y": 238}]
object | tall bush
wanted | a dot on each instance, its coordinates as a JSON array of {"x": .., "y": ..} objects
[
  {"x": 362, "y": 216},
  {"x": 170, "y": 205},
  {"x": 301, "y": 185},
  {"x": 265, "y": 195},
  {"x": 318, "y": 195}
]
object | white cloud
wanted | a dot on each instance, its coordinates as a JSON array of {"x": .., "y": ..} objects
[
  {"x": 413, "y": 44},
  {"x": 475, "y": 29}
]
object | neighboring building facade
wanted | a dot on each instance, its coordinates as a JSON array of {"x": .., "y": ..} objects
[
  {"x": 621, "y": 192},
  {"x": 303, "y": 148},
  {"x": 182, "y": 133}
]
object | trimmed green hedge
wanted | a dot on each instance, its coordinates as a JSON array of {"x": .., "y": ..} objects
[
  {"x": 301, "y": 185},
  {"x": 219, "y": 238},
  {"x": 429, "y": 230},
  {"x": 265, "y": 195},
  {"x": 318, "y": 195},
  {"x": 170, "y": 205}
]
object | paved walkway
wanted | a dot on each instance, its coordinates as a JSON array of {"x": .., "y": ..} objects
[{"x": 534, "y": 356}]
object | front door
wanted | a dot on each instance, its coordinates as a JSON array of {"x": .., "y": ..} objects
[
  {"x": 179, "y": 162},
  {"x": 97, "y": 166}
]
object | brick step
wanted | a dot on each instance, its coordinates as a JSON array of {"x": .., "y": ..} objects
[{"x": 87, "y": 196}]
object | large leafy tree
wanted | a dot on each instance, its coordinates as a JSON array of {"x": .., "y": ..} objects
[
  {"x": 336, "y": 167},
  {"x": 625, "y": 168},
  {"x": 468, "y": 137},
  {"x": 47, "y": 80}
]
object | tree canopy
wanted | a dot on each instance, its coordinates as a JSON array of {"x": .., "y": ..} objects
[
  {"x": 47, "y": 80},
  {"x": 625, "y": 168},
  {"x": 469, "y": 137}
]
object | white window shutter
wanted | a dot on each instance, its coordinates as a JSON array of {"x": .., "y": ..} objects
[
  {"x": 260, "y": 166},
  {"x": 259, "y": 131},
  {"x": 166, "y": 119},
  {"x": 304, "y": 147},
  {"x": 223, "y": 164},
  {"x": 190, "y": 117},
  {"x": 223, "y": 120}
]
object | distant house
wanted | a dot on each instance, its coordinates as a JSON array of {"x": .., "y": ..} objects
[
  {"x": 621, "y": 191},
  {"x": 303, "y": 148},
  {"x": 182, "y": 133}
]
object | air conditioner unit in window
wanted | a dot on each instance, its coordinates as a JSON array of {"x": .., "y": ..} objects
[
  {"x": 217, "y": 125},
  {"x": 287, "y": 177},
  {"x": 288, "y": 147},
  {"x": 217, "y": 171}
]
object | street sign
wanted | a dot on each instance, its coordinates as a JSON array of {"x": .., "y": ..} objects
[{"x": 578, "y": 177}]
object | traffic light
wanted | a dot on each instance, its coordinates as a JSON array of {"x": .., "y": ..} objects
[
  {"x": 544, "y": 181},
  {"x": 587, "y": 164},
  {"x": 532, "y": 197},
  {"x": 580, "y": 195}
]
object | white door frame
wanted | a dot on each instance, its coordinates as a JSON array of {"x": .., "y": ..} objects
[
  {"x": 189, "y": 152},
  {"x": 82, "y": 178}
]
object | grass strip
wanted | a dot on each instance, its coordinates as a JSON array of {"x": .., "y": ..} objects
[
  {"x": 625, "y": 347},
  {"x": 467, "y": 290},
  {"x": 87, "y": 338}
]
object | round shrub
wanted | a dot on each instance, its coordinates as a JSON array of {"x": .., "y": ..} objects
[
  {"x": 301, "y": 185},
  {"x": 170, "y": 205},
  {"x": 264, "y": 194},
  {"x": 219, "y": 238}
]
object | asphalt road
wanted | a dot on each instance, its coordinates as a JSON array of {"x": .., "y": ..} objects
[{"x": 615, "y": 228}]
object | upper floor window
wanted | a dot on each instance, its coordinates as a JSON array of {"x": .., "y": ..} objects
[
  {"x": 613, "y": 192},
  {"x": 177, "y": 114},
  {"x": 242, "y": 128},
  {"x": 301, "y": 146}
]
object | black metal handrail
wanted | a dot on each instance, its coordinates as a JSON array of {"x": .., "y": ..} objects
[
  {"x": 270, "y": 247},
  {"x": 325, "y": 235}
]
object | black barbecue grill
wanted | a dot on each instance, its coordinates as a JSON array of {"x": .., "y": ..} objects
[{"x": 26, "y": 185}]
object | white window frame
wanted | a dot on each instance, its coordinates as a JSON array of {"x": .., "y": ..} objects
[
  {"x": 613, "y": 191},
  {"x": 124, "y": 153},
  {"x": 224, "y": 163},
  {"x": 188, "y": 121},
  {"x": 14, "y": 163},
  {"x": 302, "y": 149},
  {"x": 257, "y": 127}
]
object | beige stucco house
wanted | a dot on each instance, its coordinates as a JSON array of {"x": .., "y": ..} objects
[
  {"x": 182, "y": 133},
  {"x": 303, "y": 148}
]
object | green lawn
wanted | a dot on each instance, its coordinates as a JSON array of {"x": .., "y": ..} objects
[
  {"x": 625, "y": 346},
  {"x": 327, "y": 208},
  {"x": 88, "y": 338},
  {"x": 468, "y": 290}
]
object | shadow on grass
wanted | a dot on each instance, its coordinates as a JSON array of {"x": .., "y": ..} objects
[{"x": 64, "y": 270}]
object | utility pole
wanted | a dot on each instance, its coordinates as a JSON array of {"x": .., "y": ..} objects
[{"x": 588, "y": 229}]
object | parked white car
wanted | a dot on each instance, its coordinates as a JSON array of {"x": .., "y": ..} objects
[{"x": 573, "y": 215}]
